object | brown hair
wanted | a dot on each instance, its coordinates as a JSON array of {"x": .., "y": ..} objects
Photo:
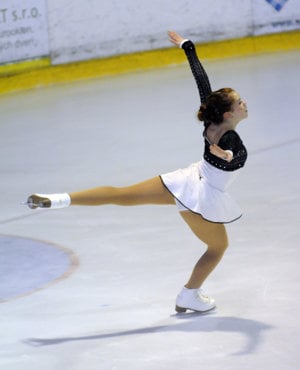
[{"x": 217, "y": 103}]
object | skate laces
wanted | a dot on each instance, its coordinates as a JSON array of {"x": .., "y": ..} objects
[{"x": 202, "y": 295}]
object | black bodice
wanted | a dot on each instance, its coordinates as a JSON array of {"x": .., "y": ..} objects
[{"x": 229, "y": 141}]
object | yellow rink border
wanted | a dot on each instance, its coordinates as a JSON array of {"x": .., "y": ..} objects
[{"x": 40, "y": 72}]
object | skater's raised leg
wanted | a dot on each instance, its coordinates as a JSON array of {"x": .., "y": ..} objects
[{"x": 151, "y": 191}]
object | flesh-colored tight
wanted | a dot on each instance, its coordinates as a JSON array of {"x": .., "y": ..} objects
[{"x": 153, "y": 191}]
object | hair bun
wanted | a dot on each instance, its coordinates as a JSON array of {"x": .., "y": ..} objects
[
  {"x": 201, "y": 113},
  {"x": 217, "y": 103},
  {"x": 210, "y": 114}
]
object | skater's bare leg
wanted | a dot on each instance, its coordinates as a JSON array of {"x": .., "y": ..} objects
[
  {"x": 215, "y": 237},
  {"x": 151, "y": 191}
]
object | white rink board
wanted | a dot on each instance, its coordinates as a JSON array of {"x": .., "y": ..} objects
[{"x": 80, "y": 30}]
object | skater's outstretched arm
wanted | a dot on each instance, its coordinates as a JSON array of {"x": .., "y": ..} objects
[{"x": 197, "y": 69}]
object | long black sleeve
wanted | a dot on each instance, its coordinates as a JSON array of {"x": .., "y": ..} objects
[{"x": 198, "y": 71}]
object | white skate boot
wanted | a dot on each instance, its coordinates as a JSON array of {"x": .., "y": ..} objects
[
  {"x": 48, "y": 201},
  {"x": 195, "y": 300}
]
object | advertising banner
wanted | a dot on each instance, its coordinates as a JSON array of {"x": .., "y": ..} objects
[
  {"x": 272, "y": 16},
  {"x": 23, "y": 30}
]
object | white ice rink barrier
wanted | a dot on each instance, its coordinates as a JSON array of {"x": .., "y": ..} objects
[{"x": 69, "y": 31}]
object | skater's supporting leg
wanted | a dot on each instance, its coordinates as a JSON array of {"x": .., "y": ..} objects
[{"x": 215, "y": 237}]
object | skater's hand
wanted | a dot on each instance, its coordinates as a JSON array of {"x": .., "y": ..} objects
[
  {"x": 220, "y": 153},
  {"x": 175, "y": 38}
]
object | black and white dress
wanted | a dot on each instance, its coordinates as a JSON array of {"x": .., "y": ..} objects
[{"x": 202, "y": 186}]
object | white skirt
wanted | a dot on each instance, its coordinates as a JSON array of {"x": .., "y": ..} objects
[{"x": 202, "y": 189}]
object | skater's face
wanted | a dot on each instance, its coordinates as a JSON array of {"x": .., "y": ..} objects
[{"x": 239, "y": 108}]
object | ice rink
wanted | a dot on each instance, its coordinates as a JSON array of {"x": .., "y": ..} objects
[{"x": 93, "y": 288}]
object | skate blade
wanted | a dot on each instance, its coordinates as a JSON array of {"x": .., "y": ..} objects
[
  {"x": 32, "y": 205},
  {"x": 179, "y": 309},
  {"x": 29, "y": 204}
]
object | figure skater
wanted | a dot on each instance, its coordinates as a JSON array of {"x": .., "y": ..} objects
[{"x": 199, "y": 191}]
